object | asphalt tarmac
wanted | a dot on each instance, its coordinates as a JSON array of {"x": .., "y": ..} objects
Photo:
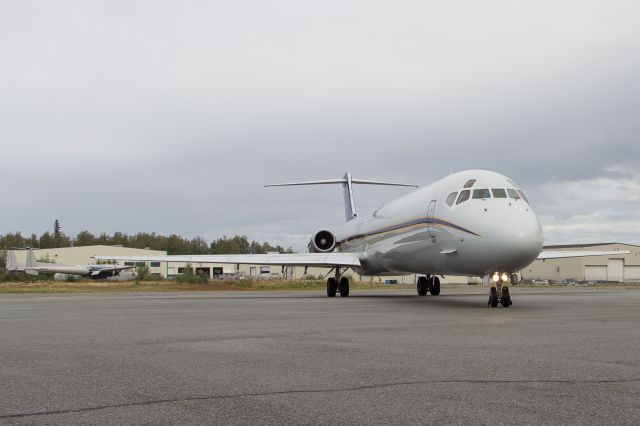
[{"x": 559, "y": 356}]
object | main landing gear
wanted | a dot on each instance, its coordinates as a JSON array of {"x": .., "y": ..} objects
[
  {"x": 338, "y": 284},
  {"x": 499, "y": 292},
  {"x": 428, "y": 284}
]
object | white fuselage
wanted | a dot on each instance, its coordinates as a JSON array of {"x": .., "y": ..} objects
[{"x": 422, "y": 233}]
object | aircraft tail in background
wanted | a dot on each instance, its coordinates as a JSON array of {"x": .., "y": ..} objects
[
  {"x": 12, "y": 263},
  {"x": 347, "y": 183}
]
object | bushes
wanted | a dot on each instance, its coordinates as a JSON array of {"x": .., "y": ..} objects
[
  {"x": 189, "y": 277},
  {"x": 6, "y": 276}
]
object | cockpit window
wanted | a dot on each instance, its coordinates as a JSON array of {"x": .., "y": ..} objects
[
  {"x": 481, "y": 193},
  {"x": 523, "y": 197},
  {"x": 451, "y": 198},
  {"x": 464, "y": 196},
  {"x": 513, "y": 194},
  {"x": 499, "y": 193},
  {"x": 470, "y": 183}
]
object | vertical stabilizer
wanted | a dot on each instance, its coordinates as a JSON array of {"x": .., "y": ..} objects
[
  {"x": 31, "y": 260},
  {"x": 12, "y": 263},
  {"x": 349, "y": 204}
]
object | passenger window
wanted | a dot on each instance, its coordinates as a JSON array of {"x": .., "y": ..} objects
[
  {"x": 499, "y": 193},
  {"x": 470, "y": 183},
  {"x": 451, "y": 198},
  {"x": 464, "y": 196},
  {"x": 481, "y": 193},
  {"x": 513, "y": 194},
  {"x": 523, "y": 197}
]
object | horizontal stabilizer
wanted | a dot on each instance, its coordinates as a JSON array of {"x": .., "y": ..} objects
[
  {"x": 553, "y": 254},
  {"x": 341, "y": 181},
  {"x": 347, "y": 183}
]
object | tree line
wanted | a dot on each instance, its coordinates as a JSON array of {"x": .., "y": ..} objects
[{"x": 172, "y": 244}]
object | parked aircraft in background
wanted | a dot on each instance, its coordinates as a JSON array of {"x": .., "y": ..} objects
[
  {"x": 472, "y": 223},
  {"x": 33, "y": 267}
]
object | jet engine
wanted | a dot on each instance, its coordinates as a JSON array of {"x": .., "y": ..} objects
[{"x": 322, "y": 242}]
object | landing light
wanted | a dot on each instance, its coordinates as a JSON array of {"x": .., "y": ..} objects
[
  {"x": 496, "y": 277},
  {"x": 505, "y": 277}
]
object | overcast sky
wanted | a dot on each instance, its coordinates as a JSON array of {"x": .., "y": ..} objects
[{"x": 169, "y": 117}]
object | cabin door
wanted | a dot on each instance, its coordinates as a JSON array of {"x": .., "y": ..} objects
[{"x": 430, "y": 215}]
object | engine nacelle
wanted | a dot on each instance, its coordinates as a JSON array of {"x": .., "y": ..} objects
[{"x": 322, "y": 242}]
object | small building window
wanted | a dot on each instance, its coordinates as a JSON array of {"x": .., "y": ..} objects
[
  {"x": 140, "y": 264},
  {"x": 451, "y": 198},
  {"x": 129, "y": 264},
  {"x": 513, "y": 194},
  {"x": 464, "y": 196},
  {"x": 470, "y": 183},
  {"x": 523, "y": 197},
  {"x": 499, "y": 193},
  {"x": 154, "y": 264},
  {"x": 481, "y": 193}
]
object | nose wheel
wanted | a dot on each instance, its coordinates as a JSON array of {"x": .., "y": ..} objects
[
  {"x": 505, "y": 300},
  {"x": 499, "y": 294}
]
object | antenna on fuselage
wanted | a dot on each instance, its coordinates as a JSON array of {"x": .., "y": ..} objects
[{"x": 347, "y": 182}]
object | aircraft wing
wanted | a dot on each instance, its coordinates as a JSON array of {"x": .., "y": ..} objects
[
  {"x": 555, "y": 254},
  {"x": 298, "y": 259}
]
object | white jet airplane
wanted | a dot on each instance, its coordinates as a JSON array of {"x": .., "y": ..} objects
[
  {"x": 59, "y": 271},
  {"x": 473, "y": 223}
]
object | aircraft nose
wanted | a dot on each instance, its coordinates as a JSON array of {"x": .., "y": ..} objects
[{"x": 521, "y": 242}]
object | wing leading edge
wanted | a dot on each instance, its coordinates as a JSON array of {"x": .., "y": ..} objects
[{"x": 301, "y": 259}]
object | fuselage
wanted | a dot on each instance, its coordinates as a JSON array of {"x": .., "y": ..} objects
[
  {"x": 471, "y": 223},
  {"x": 81, "y": 270}
]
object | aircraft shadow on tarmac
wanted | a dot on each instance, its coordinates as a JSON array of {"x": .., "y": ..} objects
[
  {"x": 455, "y": 300},
  {"x": 477, "y": 301}
]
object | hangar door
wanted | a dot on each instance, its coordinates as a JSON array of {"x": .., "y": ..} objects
[
  {"x": 595, "y": 273},
  {"x": 632, "y": 273},
  {"x": 615, "y": 270}
]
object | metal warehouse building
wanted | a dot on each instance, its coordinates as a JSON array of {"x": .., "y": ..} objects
[{"x": 622, "y": 268}]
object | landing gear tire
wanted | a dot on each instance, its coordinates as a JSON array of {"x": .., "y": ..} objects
[
  {"x": 344, "y": 287},
  {"x": 422, "y": 286},
  {"x": 493, "y": 298},
  {"x": 505, "y": 300},
  {"x": 435, "y": 286},
  {"x": 332, "y": 287}
]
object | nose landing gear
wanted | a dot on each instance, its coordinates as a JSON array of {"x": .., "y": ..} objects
[{"x": 499, "y": 292}]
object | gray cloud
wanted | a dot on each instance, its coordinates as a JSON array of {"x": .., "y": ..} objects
[{"x": 170, "y": 116}]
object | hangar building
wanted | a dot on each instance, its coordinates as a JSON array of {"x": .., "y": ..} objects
[
  {"x": 622, "y": 268},
  {"x": 84, "y": 255}
]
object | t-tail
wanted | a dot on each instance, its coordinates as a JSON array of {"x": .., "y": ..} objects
[
  {"x": 12, "y": 263},
  {"x": 31, "y": 260},
  {"x": 347, "y": 183}
]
